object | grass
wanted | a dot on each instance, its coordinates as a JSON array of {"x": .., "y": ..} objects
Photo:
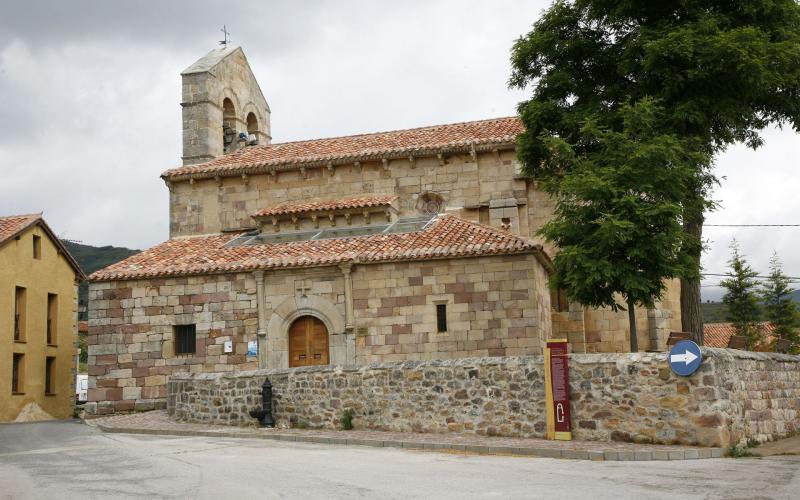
[
  {"x": 743, "y": 450},
  {"x": 347, "y": 419}
]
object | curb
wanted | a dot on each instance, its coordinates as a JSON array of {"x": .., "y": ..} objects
[{"x": 609, "y": 456}]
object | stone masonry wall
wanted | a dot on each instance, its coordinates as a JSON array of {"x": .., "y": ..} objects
[
  {"x": 629, "y": 397},
  {"x": 209, "y": 205},
  {"x": 131, "y": 348},
  {"x": 496, "y": 306}
]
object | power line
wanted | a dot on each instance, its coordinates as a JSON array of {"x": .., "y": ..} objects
[
  {"x": 790, "y": 278},
  {"x": 751, "y": 225}
]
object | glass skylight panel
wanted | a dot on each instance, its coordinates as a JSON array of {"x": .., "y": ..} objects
[
  {"x": 349, "y": 231},
  {"x": 406, "y": 225},
  {"x": 264, "y": 239}
]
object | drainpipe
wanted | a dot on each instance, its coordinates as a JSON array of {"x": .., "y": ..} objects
[{"x": 262, "y": 319}]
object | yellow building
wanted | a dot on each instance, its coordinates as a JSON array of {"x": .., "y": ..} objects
[{"x": 38, "y": 312}]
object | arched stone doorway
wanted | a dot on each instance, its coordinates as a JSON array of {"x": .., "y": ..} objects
[{"x": 308, "y": 342}]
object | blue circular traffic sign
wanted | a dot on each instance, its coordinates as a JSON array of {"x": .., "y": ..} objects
[{"x": 685, "y": 358}]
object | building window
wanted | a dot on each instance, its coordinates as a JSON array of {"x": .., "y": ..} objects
[
  {"x": 52, "y": 319},
  {"x": 37, "y": 247},
  {"x": 185, "y": 336},
  {"x": 19, "y": 314},
  {"x": 50, "y": 375},
  {"x": 17, "y": 373},
  {"x": 441, "y": 318},
  {"x": 558, "y": 300}
]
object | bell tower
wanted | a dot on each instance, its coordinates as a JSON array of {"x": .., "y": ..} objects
[{"x": 223, "y": 107}]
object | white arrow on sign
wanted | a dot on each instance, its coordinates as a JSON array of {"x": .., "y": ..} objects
[{"x": 686, "y": 357}]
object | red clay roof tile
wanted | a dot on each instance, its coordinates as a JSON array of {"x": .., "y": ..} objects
[
  {"x": 446, "y": 236},
  {"x": 719, "y": 334},
  {"x": 376, "y": 145},
  {"x": 11, "y": 225},
  {"x": 315, "y": 206}
]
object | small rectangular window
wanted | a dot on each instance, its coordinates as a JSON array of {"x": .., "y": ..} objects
[
  {"x": 558, "y": 300},
  {"x": 185, "y": 336},
  {"x": 17, "y": 373},
  {"x": 441, "y": 318},
  {"x": 52, "y": 318},
  {"x": 50, "y": 375},
  {"x": 19, "y": 314},
  {"x": 37, "y": 247}
]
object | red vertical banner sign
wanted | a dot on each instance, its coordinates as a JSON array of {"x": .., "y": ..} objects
[{"x": 556, "y": 377}]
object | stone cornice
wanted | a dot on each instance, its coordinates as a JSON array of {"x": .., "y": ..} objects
[{"x": 407, "y": 154}]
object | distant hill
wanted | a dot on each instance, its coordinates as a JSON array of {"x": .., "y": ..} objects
[
  {"x": 714, "y": 312},
  {"x": 92, "y": 259}
]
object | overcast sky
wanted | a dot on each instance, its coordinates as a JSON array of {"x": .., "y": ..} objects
[{"x": 90, "y": 92}]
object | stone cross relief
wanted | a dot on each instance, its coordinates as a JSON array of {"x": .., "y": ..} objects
[{"x": 302, "y": 287}]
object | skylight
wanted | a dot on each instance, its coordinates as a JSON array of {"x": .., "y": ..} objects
[{"x": 406, "y": 225}]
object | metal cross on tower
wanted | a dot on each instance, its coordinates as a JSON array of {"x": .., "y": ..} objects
[{"x": 225, "y": 32}]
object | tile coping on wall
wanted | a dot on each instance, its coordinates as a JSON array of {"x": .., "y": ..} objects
[{"x": 158, "y": 423}]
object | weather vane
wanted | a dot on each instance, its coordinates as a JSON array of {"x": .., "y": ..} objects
[{"x": 225, "y": 32}]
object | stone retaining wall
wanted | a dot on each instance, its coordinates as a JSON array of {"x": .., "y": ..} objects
[{"x": 622, "y": 397}]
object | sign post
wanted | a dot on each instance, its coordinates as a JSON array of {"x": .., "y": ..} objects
[
  {"x": 556, "y": 381},
  {"x": 685, "y": 358}
]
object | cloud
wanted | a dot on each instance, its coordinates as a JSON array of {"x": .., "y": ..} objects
[{"x": 91, "y": 93}]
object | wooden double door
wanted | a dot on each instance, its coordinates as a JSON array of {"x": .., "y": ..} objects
[{"x": 308, "y": 342}]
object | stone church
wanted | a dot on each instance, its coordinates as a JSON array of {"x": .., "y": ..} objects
[{"x": 412, "y": 244}]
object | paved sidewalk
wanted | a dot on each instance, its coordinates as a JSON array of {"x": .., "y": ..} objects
[
  {"x": 786, "y": 446},
  {"x": 157, "y": 422}
]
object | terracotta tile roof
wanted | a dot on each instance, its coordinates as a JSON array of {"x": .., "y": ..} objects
[
  {"x": 446, "y": 236},
  {"x": 316, "y": 206},
  {"x": 719, "y": 334},
  {"x": 410, "y": 142},
  {"x": 12, "y": 225}
]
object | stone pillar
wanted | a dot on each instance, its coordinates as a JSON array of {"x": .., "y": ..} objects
[
  {"x": 657, "y": 327},
  {"x": 262, "y": 319},
  {"x": 349, "y": 322},
  {"x": 348, "y": 295}
]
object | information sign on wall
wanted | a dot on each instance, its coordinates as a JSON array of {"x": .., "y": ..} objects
[{"x": 556, "y": 376}]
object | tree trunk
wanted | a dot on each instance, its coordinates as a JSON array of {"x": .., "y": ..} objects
[
  {"x": 691, "y": 314},
  {"x": 632, "y": 320}
]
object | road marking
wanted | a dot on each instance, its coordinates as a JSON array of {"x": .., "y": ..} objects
[{"x": 45, "y": 451}]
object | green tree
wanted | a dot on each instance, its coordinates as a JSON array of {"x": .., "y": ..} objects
[
  {"x": 779, "y": 308},
  {"x": 722, "y": 70},
  {"x": 617, "y": 211},
  {"x": 741, "y": 298}
]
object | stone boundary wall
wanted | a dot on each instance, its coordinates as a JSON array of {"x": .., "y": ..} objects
[{"x": 621, "y": 397}]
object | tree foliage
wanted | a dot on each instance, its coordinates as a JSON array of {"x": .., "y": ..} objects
[
  {"x": 741, "y": 298},
  {"x": 779, "y": 308},
  {"x": 720, "y": 70},
  {"x": 617, "y": 211}
]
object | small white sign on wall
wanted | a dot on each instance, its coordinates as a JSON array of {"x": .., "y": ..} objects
[{"x": 228, "y": 346}]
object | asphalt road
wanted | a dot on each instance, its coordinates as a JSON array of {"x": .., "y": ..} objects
[{"x": 68, "y": 459}]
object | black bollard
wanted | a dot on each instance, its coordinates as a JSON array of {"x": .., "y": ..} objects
[{"x": 264, "y": 415}]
